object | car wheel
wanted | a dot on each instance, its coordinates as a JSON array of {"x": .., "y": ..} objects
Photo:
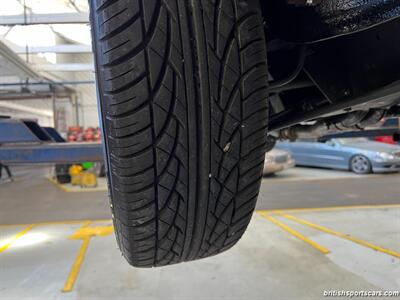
[
  {"x": 183, "y": 96},
  {"x": 360, "y": 164}
]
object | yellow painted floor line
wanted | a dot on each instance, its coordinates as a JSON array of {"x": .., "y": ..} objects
[
  {"x": 85, "y": 233},
  {"x": 295, "y": 233},
  {"x": 331, "y": 208},
  {"x": 91, "y": 232},
  {"x": 67, "y": 222},
  {"x": 16, "y": 237},
  {"x": 69, "y": 284},
  {"x": 58, "y": 185},
  {"x": 290, "y": 210},
  {"x": 341, "y": 235},
  {"x": 86, "y": 224}
]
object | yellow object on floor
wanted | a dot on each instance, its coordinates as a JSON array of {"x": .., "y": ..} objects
[
  {"x": 88, "y": 180},
  {"x": 84, "y": 179},
  {"x": 75, "y": 170},
  {"x": 76, "y": 179},
  {"x": 69, "y": 188},
  {"x": 75, "y": 173}
]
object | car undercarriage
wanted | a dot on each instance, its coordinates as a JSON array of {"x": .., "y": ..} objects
[
  {"x": 193, "y": 93},
  {"x": 335, "y": 63}
]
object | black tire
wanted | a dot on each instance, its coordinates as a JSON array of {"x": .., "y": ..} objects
[
  {"x": 102, "y": 172},
  {"x": 360, "y": 164},
  {"x": 183, "y": 94},
  {"x": 62, "y": 175}
]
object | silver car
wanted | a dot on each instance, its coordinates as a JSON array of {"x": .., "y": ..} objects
[
  {"x": 277, "y": 161},
  {"x": 360, "y": 155}
]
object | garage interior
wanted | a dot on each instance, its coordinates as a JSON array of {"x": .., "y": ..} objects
[{"x": 315, "y": 230}]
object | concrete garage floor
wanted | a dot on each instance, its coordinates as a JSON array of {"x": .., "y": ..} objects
[
  {"x": 287, "y": 252},
  {"x": 32, "y": 198}
]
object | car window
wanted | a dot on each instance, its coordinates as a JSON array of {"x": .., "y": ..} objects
[
  {"x": 352, "y": 141},
  {"x": 392, "y": 122},
  {"x": 307, "y": 140}
]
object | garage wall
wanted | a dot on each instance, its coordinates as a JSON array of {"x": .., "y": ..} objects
[
  {"x": 39, "y": 110},
  {"x": 43, "y": 121}
]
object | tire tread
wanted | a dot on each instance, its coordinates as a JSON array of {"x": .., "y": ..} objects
[{"x": 185, "y": 150}]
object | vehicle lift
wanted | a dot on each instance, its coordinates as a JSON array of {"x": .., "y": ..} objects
[{"x": 25, "y": 142}]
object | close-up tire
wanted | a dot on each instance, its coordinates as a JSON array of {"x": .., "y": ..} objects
[
  {"x": 360, "y": 164},
  {"x": 183, "y": 98}
]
